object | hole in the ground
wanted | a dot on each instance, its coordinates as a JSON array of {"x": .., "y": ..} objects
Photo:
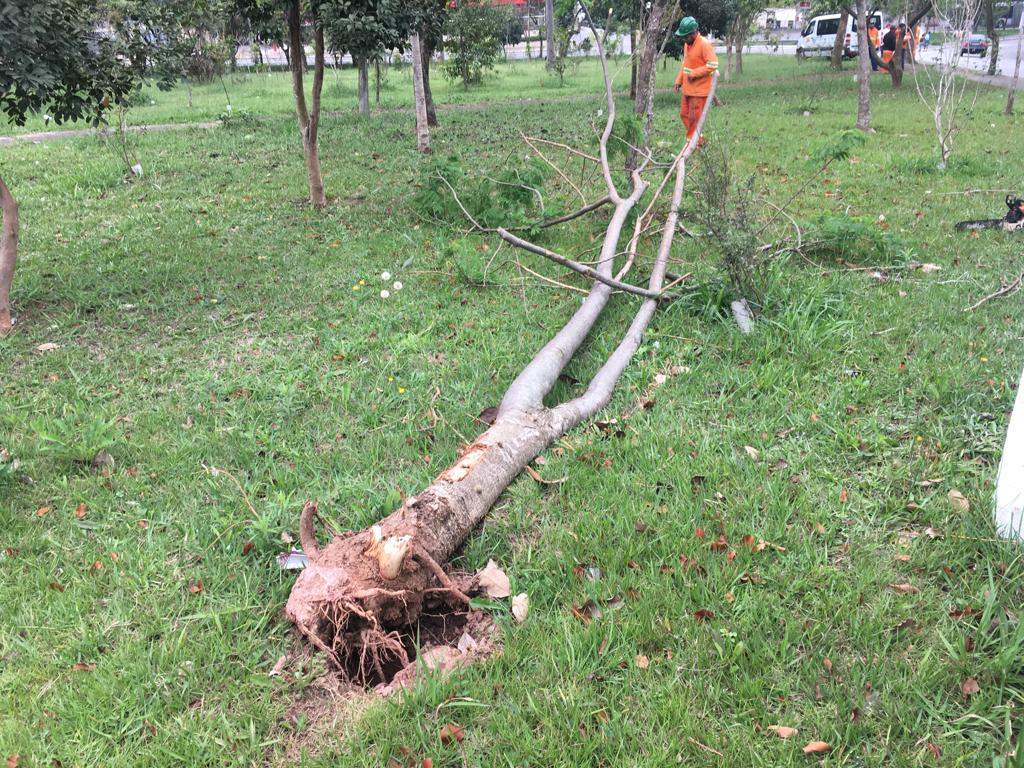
[{"x": 371, "y": 657}]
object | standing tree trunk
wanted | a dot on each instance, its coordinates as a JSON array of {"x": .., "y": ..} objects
[
  {"x": 838, "y": 48},
  {"x": 364, "y": 85},
  {"x": 309, "y": 118},
  {"x": 739, "y": 40},
  {"x": 427, "y": 51},
  {"x": 864, "y": 53},
  {"x": 643, "y": 102},
  {"x": 990, "y": 30},
  {"x": 1016, "y": 72},
  {"x": 632, "y": 63},
  {"x": 8, "y": 254},
  {"x": 422, "y": 128},
  {"x": 549, "y": 24},
  {"x": 376, "y": 67}
]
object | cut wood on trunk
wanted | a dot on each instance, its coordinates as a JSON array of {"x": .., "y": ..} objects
[
  {"x": 8, "y": 254},
  {"x": 363, "y": 591}
]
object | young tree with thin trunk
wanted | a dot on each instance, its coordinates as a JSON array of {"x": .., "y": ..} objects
[
  {"x": 362, "y": 589},
  {"x": 990, "y": 30},
  {"x": 1016, "y": 71},
  {"x": 422, "y": 127},
  {"x": 864, "y": 53},
  {"x": 942, "y": 88},
  {"x": 549, "y": 32},
  {"x": 308, "y": 116},
  {"x": 76, "y": 59},
  {"x": 656, "y": 23}
]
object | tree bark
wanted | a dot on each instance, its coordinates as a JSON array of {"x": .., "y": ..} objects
[
  {"x": 549, "y": 31},
  {"x": 364, "y": 85},
  {"x": 8, "y": 254},
  {"x": 1016, "y": 73},
  {"x": 739, "y": 39},
  {"x": 864, "y": 54},
  {"x": 309, "y": 119},
  {"x": 838, "y": 48},
  {"x": 422, "y": 127},
  {"x": 643, "y": 103},
  {"x": 990, "y": 30},
  {"x": 632, "y": 63},
  {"x": 427, "y": 51},
  {"x": 376, "y": 81}
]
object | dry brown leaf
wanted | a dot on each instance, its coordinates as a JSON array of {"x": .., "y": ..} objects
[
  {"x": 844, "y": 496},
  {"x": 752, "y": 452},
  {"x": 196, "y": 587},
  {"x": 56, "y": 586},
  {"x": 42, "y": 511},
  {"x": 969, "y": 687},
  {"x": 12, "y": 761},
  {"x": 47, "y": 347},
  {"x": 83, "y": 666},
  {"x": 642, "y": 662},
  {"x": 520, "y": 607},
  {"x": 933, "y": 748},
  {"x": 827, "y": 664},
  {"x": 703, "y": 615},
  {"x": 451, "y": 733},
  {"x": 814, "y": 747},
  {"x": 783, "y": 731},
  {"x": 81, "y": 511},
  {"x": 493, "y": 581},
  {"x": 906, "y": 589},
  {"x": 958, "y": 501},
  {"x": 278, "y": 667}
]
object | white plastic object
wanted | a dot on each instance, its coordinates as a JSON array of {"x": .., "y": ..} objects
[{"x": 1010, "y": 480}]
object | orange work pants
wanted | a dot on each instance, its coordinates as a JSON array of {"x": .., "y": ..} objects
[{"x": 690, "y": 109}]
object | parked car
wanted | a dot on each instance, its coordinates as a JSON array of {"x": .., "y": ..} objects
[
  {"x": 978, "y": 44},
  {"x": 819, "y": 35}
]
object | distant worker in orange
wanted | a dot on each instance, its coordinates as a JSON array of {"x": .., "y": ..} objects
[
  {"x": 699, "y": 64},
  {"x": 874, "y": 39}
]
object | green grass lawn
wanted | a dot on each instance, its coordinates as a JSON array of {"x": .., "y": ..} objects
[
  {"x": 206, "y": 317},
  {"x": 271, "y": 93}
]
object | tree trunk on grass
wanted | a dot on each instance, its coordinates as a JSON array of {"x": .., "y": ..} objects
[
  {"x": 739, "y": 40},
  {"x": 864, "y": 53},
  {"x": 427, "y": 51},
  {"x": 308, "y": 117},
  {"x": 8, "y": 254},
  {"x": 1016, "y": 75},
  {"x": 838, "y": 48},
  {"x": 549, "y": 31},
  {"x": 364, "y": 589},
  {"x": 422, "y": 127},
  {"x": 990, "y": 30},
  {"x": 364, "y": 85}
]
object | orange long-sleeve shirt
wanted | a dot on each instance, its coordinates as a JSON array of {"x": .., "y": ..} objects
[{"x": 699, "y": 62}]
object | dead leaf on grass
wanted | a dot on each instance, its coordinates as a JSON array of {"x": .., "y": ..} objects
[
  {"x": 642, "y": 662},
  {"x": 906, "y": 589},
  {"x": 12, "y": 761},
  {"x": 815, "y": 747},
  {"x": 969, "y": 687},
  {"x": 752, "y": 452},
  {"x": 452, "y": 733},
  {"x": 278, "y": 666},
  {"x": 47, "y": 347},
  {"x": 493, "y": 581},
  {"x": 703, "y": 615},
  {"x": 83, "y": 666},
  {"x": 783, "y": 731},
  {"x": 81, "y": 511},
  {"x": 520, "y": 607},
  {"x": 958, "y": 501}
]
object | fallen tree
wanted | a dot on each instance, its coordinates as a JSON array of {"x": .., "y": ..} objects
[{"x": 360, "y": 598}]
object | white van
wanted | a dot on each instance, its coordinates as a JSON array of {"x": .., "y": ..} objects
[{"x": 819, "y": 35}]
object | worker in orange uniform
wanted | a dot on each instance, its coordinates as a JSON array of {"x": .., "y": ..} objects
[
  {"x": 874, "y": 39},
  {"x": 699, "y": 64}
]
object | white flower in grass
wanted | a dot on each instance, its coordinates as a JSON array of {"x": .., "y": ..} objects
[
  {"x": 398, "y": 285},
  {"x": 385, "y": 276},
  {"x": 385, "y": 293}
]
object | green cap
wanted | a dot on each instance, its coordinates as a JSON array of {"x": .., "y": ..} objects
[{"x": 686, "y": 26}]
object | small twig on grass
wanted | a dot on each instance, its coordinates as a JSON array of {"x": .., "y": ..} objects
[
  {"x": 550, "y": 280},
  {"x": 566, "y": 147},
  {"x": 424, "y": 557},
  {"x": 705, "y": 747},
  {"x": 1006, "y": 290},
  {"x": 557, "y": 170},
  {"x": 215, "y": 472},
  {"x": 536, "y": 476}
]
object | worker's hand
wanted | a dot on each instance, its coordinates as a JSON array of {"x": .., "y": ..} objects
[{"x": 678, "y": 88}]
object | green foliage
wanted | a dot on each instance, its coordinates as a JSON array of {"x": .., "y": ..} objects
[
  {"x": 851, "y": 238},
  {"x": 510, "y": 198},
  {"x": 472, "y": 259},
  {"x": 78, "y": 434},
  {"x": 77, "y": 58},
  {"x": 235, "y": 119},
  {"x": 475, "y": 33},
  {"x": 627, "y": 131},
  {"x": 364, "y": 28},
  {"x": 841, "y": 146}
]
